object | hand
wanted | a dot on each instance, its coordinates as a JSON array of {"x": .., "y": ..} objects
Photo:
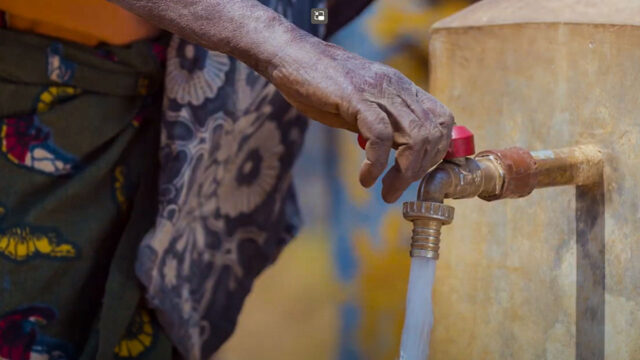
[
  {"x": 324, "y": 81},
  {"x": 344, "y": 90}
]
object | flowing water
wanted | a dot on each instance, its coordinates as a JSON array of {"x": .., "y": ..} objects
[{"x": 418, "y": 317}]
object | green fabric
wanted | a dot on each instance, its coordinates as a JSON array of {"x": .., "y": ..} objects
[{"x": 74, "y": 209}]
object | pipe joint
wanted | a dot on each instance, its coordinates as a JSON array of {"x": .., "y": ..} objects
[{"x": 516, "y": 170}]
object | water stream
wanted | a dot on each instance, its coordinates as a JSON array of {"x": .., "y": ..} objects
[{"x": 418, "y": 317}]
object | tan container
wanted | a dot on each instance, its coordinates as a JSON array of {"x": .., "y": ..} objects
[{"x": 542, "y": 75}]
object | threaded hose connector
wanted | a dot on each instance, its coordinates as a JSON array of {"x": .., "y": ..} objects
[{"x": 427, "y": 218}]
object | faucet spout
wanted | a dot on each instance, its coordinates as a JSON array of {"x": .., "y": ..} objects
[
  {"x": 436, "y": 185},
  {"x": 461, "y": 178}
]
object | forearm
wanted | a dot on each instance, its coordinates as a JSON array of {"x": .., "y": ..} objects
[{"x": 244, "y": 29}]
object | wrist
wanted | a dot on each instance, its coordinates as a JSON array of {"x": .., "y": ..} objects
[
  {"x": 267, "y": 51},
  {"x": 294, "y": 60}
]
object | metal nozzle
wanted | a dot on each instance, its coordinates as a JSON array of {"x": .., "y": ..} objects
[{"x": 427, "y": 217}]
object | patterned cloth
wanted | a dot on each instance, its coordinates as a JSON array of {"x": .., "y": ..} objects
[
  {"x": 226, "y": 201},
  {"x": 78, "y": 144}
]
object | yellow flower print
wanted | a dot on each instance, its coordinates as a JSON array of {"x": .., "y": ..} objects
[
  {"x": 22, "y": 243},
  {"x": 138, "y": 338},
  {"x": 55, "y": 94},
  {"x": 119, "y": 185}
]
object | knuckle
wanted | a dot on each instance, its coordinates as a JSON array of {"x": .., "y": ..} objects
[
  {"x": 379, "y": 132},
  {"x": 420, "y": 134},
  {"x": 418, "y": 141},
  {"x": 446, "y": 119},
  {"x": 389, "y": 75},
  {"x": 439, "y": 112},
  {"x": 394, "y": 73}
]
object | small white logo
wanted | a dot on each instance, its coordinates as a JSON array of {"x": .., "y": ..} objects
[{"x": 319, "y": 16}]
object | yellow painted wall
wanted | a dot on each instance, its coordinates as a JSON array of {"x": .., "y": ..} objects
[
  {"x": 538, "y": 74},
  {"x": 292, "y": 311}
]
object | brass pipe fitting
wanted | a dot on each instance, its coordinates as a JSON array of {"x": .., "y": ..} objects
[
  {"x": 427, "y": 217},
  {"x": 516, "y": 169}
]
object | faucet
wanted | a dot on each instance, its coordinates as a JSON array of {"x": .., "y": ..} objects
[{"x": 490, "y": 175}]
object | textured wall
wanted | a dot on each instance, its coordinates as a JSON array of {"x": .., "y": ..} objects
[{"x": 506, "y": 281}]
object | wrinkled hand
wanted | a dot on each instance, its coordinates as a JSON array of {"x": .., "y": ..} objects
[
  {"x": 324, "y": 81},
  {"x": 344, "y": 90}
]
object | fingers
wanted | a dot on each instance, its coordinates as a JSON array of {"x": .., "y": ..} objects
[
  {"x": 428, "y": 129},
  {"x": 409, "y": 165},
  {"x": 441, "y": 115},
  {"x": 410, "y": 135},
  {"x": 442, "y": 124},
  {"x": 374, "y": 125},
  {"x": 402, "y": 174}
]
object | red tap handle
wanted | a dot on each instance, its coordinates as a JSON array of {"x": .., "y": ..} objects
[
  {"x": 461, "y": 144},
  {"x": 362, "y": 141}
]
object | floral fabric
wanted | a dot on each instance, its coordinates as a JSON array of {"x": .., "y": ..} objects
[
  {"x": 79, "y": 133},
  {"x": 226, "y": 201},
  {"x": 26, "y": 142}
]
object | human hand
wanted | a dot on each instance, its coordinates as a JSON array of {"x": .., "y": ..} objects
[
  {"x": 344, "y": 90},
  {"x": 324, "y": 81}
]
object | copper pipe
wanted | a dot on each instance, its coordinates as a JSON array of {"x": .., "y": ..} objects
[
  {"x": 579, "y": 165},
  {"x": 524, "y": 171}
]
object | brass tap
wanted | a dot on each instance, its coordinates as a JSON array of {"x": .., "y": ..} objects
[
  {"x": 456, "y": 178},
  {"x": 492, "y": 175}
]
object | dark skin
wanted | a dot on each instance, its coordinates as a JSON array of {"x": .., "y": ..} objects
[{"x": 322, "y": 80}]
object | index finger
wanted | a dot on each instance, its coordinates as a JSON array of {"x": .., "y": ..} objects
[{"x": 374, "y": 125}]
